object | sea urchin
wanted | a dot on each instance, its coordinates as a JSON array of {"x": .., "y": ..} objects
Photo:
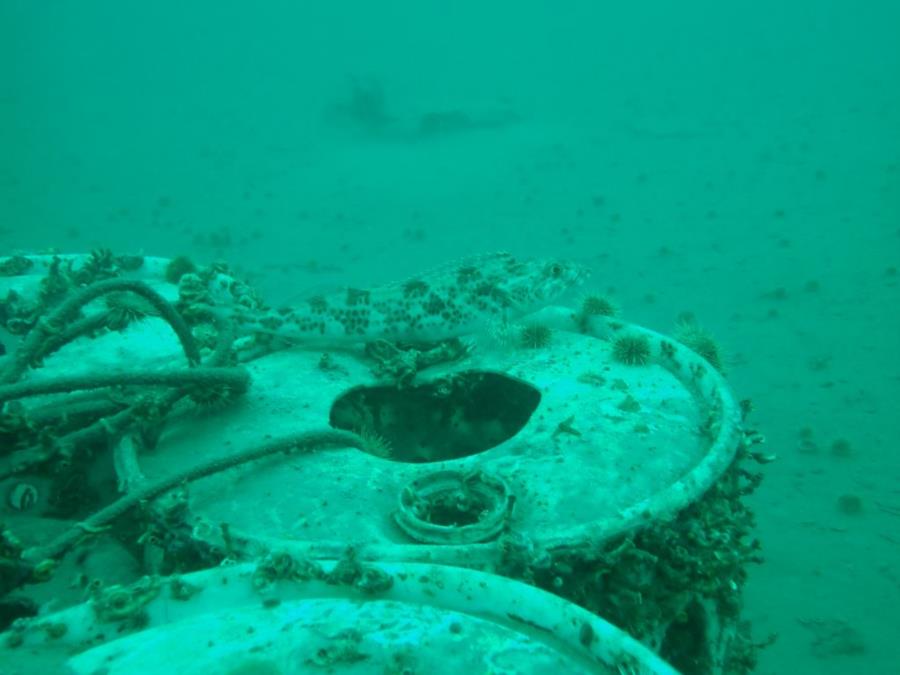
[
  {"x": 632, "y": 350},
  {"x": 535, "y": 336}
]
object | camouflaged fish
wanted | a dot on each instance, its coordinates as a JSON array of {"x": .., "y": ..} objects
[{"x": 453, "y": 301}]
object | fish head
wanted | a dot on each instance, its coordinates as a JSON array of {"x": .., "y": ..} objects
[{"x": 533, "y": 284}]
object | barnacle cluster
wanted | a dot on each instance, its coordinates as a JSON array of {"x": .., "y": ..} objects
[
  {"x": 350, "y": 570},
  {"x": 662, "y": 583},
  {"x": 282, "y": 566},
  {"x": 54, "y": 443},
  {"x": 64, "y": 275}
]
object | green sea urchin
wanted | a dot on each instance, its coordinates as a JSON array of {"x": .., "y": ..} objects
[
  {"x": 178, "y": 267},
  {"x": 125, "y": 309},
  {"x": 698, "y": 340},
  {"x": 632, "y": 350},
  {"x": 598, "y": 305},
  {"x": 535, "y": 336},
  {"x": 592, "y": 305}
]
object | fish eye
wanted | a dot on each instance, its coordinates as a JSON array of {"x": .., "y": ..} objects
[{"x": 556, "y": 270}]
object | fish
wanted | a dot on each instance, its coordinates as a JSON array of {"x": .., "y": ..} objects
[{"x": 453, "y": 301}]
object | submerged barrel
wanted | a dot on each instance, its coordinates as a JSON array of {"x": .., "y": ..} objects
[
  {"x": 289, "y": 616},
  {"x": 576, "y": 453}
]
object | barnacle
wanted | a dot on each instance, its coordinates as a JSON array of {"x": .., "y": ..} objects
[
  {"x": 22, "y": 496},
  {"x": 280, "y": 565},
  {"x": 16, "y": 430},
  {"x": 121, "y": 603},
  {"x": 100, "y": 264},
  {"x": 373, "y": 580},
  {"x": 55, "y": 285},
  {"x": 192, "y": 290},
  {"x": 15, "y": 266}
]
